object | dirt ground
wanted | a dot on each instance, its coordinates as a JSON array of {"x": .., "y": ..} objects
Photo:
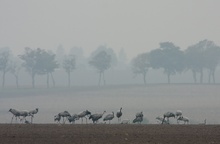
[{"x": 108, "y": 134}]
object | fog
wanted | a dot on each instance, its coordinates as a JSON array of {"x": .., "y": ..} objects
[
  {"x": 136, "y": 26},
  {"x": 126, "y": 28}
]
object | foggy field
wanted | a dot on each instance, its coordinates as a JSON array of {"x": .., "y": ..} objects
[{"x": 198, "y": 102}]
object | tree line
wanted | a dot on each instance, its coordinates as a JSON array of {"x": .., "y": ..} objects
[
  {"x": 203, "y": 55},
  {"x": 169, "y": 57}
]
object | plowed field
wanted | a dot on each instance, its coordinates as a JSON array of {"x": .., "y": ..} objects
[{"x": 107, "y": 134}]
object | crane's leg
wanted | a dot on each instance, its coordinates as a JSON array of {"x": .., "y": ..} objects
[
  {"x": 16, "y": 119},
  {"x": 163, "y": 120},
  {"x": 12, "y": 118},
  {"x": 21, "y": 119},
  {"x": 65, "y": 120},
  {"x": 24, "y": 119},
  {"x": 32, "y": 119}
]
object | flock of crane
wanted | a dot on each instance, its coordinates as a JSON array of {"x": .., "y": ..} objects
[
  {"x": 24, "y": 114},
  {"x": 178, "y": 115},
  {"x": 65, "y": 115}
]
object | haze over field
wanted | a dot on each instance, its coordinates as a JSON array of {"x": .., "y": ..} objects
[
  {"x": 137, "y": 26},
  {"x": 126, "y": 27}
]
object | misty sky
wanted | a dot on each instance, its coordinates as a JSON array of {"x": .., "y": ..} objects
[{"x": 135, "y": 25}]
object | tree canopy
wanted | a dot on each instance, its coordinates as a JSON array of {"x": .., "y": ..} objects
[
  {"x": 38, "y": 62},
  {"x": 101, "y": 61},
  {"x": 69, "y": 64},
  {"x": 169, "y": 57},
  {"x": 204, "y": 54},
  {"x": 109, "y": 51},
  {"x": 141, "y": 64}
]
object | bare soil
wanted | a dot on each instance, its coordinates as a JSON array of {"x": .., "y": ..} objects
[{"x": 108, "y": 134}]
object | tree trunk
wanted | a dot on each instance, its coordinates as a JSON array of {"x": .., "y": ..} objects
[
  {"x": 48, "y": 85},
  {"x": 201, "y": 76},
  {"x": 16, "y": 78},
  {"x": 168, "y": 78},
  {"x": 212, "y": 75},
  {"x": 69, "y": 81},
  {"x": 103, "y": 74},
  {"x": 52, "y": 79},
  {"x": 33, "y": 80},
  {"x": 144, "y": 77},
  {"x": 100, "y": 76},
  {"x": 194, "y": 76},
  {"x": 3, "y": 79}
]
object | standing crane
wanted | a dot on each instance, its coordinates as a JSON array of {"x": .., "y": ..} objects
[
  {"x": 184, "y": 119},
  {"x": 18, "y": 113},
  {"x": 64, "y": 114},
  {"x": 167, "y": 115},
  {"x": 139, "y": 117},
  {"x": 83, "y": 114},
  {"x": 96, "y": 117},
  {"x": 119, "y": 114},
  {"x": 32, "y": 113},
  {"x": 109, "y": 117},
  {"x": 73, "y": 118}
]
